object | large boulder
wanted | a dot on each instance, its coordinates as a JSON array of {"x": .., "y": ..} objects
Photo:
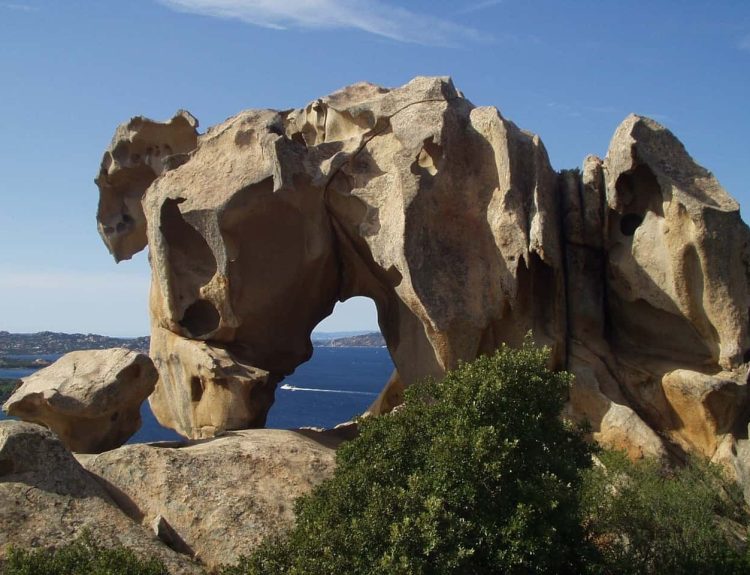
[
  {"x": 217, "y": 499},
  {"x": 677, "y": 252},
  {"x": 47, "y": 500},
  {"x": 451, "y": 219},
  {"x": 278, "y": 215},
  {"x": 658, "y": 291},
  {"x": 91, "y": 399}
]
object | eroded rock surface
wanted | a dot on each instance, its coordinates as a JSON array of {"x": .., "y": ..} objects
[
  {"x": 633, "y": 270},
  {"x": 91, "y": 399},
  {"x": 47, "y": 500},
  {"x": 205, "y": 390},
  {"x": 219, "y": 498},
  {"x": 667, "y": 271},
  {"x": 140, "y": 151}
]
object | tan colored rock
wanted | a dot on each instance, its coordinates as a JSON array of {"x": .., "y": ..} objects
[
  {"x": 677, "y": 252},
  {"x": 451, "y": 219},
  {"x": 335, "y": 194},
  {"x": 596, "y": 397},
  {"x": 706, "y": 407},
  {"x": 91, "y": 399},
  {"x": 141, "y": 150},
  {"x": 677, "y": 287},
  {"x": 210, "y": 280},
  {"x": 221, "y": 497},
  {"x": 734, "y": 456},
  {"x": 47, "y": 500},
  {"x": 424, "y": 212},
  {"x": 203, "y": 390},
  {"x": 582, "y": 207}
]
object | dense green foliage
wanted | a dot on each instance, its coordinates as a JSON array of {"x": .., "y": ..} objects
[
  {"x": 474, "y": 474},
  {"x": 647, "y": 519},
  {"x": 7, "y": 387},
  {"x": 81, "y": 557}
]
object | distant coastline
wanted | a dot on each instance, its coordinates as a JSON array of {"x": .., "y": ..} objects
[
  {"x": 48, "y": 342},
  {"x": 374, "y": 339},
  {"x": 13, "y": 345},
  {"x": 30, "y": 363}
]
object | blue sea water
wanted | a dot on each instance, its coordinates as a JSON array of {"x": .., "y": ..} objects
[
  {"x": 337, "y": 384},
  {"x": 15, "y": 372}
]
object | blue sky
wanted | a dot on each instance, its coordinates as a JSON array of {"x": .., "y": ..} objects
[{"x": 569, "y": 71}]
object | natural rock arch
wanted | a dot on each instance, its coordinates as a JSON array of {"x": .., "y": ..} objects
[{"x": 634, "y": 270}]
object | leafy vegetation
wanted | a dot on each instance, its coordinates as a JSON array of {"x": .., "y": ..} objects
[
  {"x": 475, "y": 474},
  {"x": 14, "y": 363},
  {"x": 7, "y": 387},
  {"x": 646, "y": 519},
  {"x": 81, "y": 557}
]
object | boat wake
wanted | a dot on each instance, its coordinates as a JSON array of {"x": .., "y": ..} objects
[{"x": 288, "y": 387}]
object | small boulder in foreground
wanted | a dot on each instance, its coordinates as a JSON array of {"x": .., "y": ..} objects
[{"x": 91, "y": 399}]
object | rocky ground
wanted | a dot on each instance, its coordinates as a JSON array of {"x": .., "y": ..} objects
[{"x": 191, "y": 504}]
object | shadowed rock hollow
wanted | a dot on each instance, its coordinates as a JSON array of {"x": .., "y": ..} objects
[{"x": 634, "y": 270}]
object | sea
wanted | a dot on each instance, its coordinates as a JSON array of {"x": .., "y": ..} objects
[{"x": 335, "y": 385}]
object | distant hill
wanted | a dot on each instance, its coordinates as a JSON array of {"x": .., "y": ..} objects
[
  {"x": 374, "y": 339},
  {"x": 48, "y": 342},
  {"x": 329, "y": 335}
]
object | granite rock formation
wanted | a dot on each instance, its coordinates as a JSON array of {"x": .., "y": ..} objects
[
  {"x": 141, "y": 150},
  {"x": 47, "y": 500},
  {"x": 91, "y": 399},
  {"x": 634, "y": 270},
  {"x": 217, "y": 500},
  {"x": 216, "y": 390}
]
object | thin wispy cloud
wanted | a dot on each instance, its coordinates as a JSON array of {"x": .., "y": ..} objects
[
  {"x": 745, "y": 43},
  {"x": 564, "y": 109},
  {"x": 371, "y": 16},
  {"x": 18, "y": 7},
  {"x": 477, "y": 6}
]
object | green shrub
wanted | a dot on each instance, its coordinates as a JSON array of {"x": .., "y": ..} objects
[
  {"x": 474, "y": 474},
  {"x": 7, "y": 387},
  {"x": 81, "y": 557},
  {"x": 646, "y": 519}
]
